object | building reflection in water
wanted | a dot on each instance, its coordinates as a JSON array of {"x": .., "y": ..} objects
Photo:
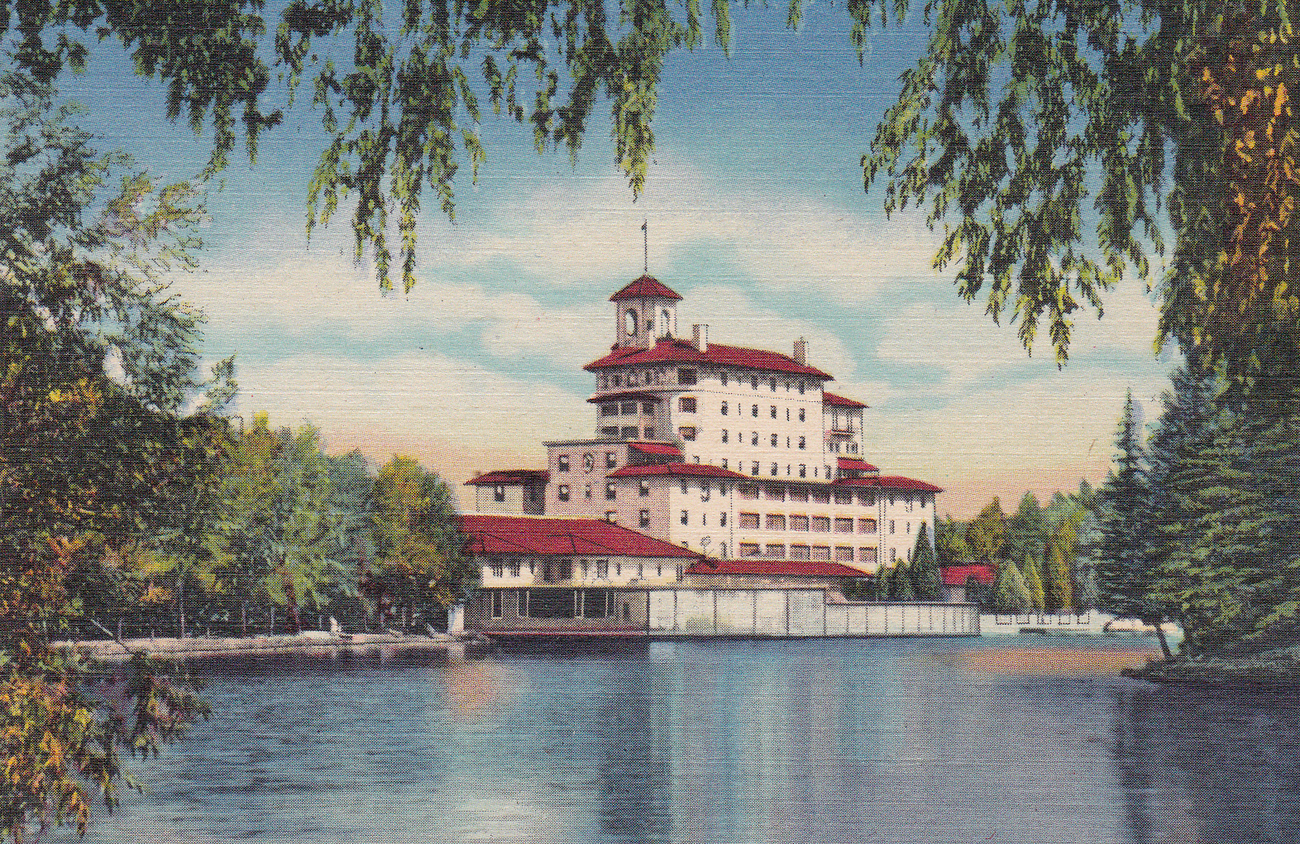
[{"x": 1208, "y": 766}]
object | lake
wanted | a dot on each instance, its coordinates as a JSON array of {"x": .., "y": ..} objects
[{"x": 1018, "y": 739}]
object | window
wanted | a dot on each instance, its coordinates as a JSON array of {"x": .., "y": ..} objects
[
  {"x": 748, "y": 521},
  {"x": 723, "y": 376},
  {"x": 685, "y": 487},
  {"x": 628, "y": 408},
  {"x": 686, "y": 376},
  {"x": 798, "y": 522},
  {"x": 629, "y": 318},
  {"x": 799, "y": 552},
  {"x": 774, "y": 440},
  {"x": 498, "y": 570},
  {"x": 563, "y": 492},
  {"x": 611, "y": 491},
  {"x": 843, "y": 554},
  {"x": 867, "y": 555},
  {"x": 749, "y": 492},
  {"x": 724, "y": 435},
  {"x": 866, "y": 525},
  {"x": 774, "y": 492},
  {"x": 588, "y": 462},
  {"x": 749, "y": 549},
  {"x": 773, "y": 413},
  {"x": 618, "y": 380},
  {"x": 891, "y": 525},
  {"x": 724, "y": 409},
  {"x": 803, "y": 470},
  {"x": 563, "y": 462},
  {"x": 686, "y": 404},
  {"x": 821, "y": 524},
  {"x": 722, "y": 550},
  {"x": 893, "y": 555},
  {"x": 753, "y": 382},
  {"x": 586, "y": 492},
  {"x": 821, "y": 552},
  {"x": 843, "y": 496},
  {"x": 801, "y": 393},
  {"x": 821, "y": 496},
  {"x": 774, "y": 470},
  {"x": 844, "y": 525},
  {"x": 803, "y": 442},
  {"x": 866, "y": 498},
  {"x": 644, "y": 488},
  {"x": 722, "y": 521},
  {"x": 753, "y": 468},
  {"x": 753, "y": 411},
  {"x": 566, "y": 569},
  {"x": 686, "y": 517},
  {"x": 498, "y": 603},
  {"x": 775, "y": 521},
  {"x": 628, "y": 432},
  {"x": 514, "y": 568},
  {"x": 611, "y": 460},
  {"x": 753, "y": 438},
  {"x": 798, "y": 493},
  {"x": 499, "y": 492},
  {"x": 724, "y": 460},
  {"x": 648, "y": 408},
  {"x": 609, "y": 410},
  {"x": 772, "y": 382},
  {"x": 602, "y": 568},
  {"x": 774, "y": 551},
  {"x": 704, "y": 488},
  {"x": 645, "y": 518},
  {"x": 687, "y": 432}
]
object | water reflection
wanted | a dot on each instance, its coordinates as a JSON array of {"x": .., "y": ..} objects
[{"x": 1208, "y": 766}]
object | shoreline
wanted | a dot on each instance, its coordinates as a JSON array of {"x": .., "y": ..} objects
[
  {"x": 111, "y": 650},
  {"x": 1217, "y": 673}
]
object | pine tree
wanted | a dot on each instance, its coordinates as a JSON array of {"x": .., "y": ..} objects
[
  {"x": 1056, "y": 589},
  {"x": 1026, "y": 529},
  {"x": 1034, "y": 583},
  {"x": 927, "y": 583},
  {"x": 986, "y": 532},
  {"x": 900, "y": 583},
  {"x": 1126, "y": 576},
  {"x": 1009, "y": 591},
  {"x": 950, "y": 546}
]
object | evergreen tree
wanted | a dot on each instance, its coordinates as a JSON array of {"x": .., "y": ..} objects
[
  {"x": 1056, "y": 590},
  {"x": 927, "y": 582},
  {"x": 1009, "y": 591},
  {"x": 900, "y": 583},
  {"x": 950, "y": 542},
  {"x": 986, "y": 532},
  {"x": 1027, "y": 531},
  {"x": 1126, "y": 576},
  {"x": 1034, "y": 583}
]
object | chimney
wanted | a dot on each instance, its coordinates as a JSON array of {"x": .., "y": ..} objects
[
  {"x": 801, "y": 352},
  {"x": 700, "y": 337}
]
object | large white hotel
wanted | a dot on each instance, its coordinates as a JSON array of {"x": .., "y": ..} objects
[{"x": 733, "y": 453}]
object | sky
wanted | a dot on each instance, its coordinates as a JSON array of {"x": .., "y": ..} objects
[{"x": 756, "y": 215}]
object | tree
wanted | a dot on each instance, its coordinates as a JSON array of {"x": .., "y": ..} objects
[
  {"x": 1026, "y": 529},
  {"x": 1009, "y": 591},
  {"x": 927, "y": 583},
  {"x": 1126, "y": 577},
  {"x": 986, "y": 532},
  {"x": 950, "y": 542},
  {"x": 97, "y": 360},
  {"x": 900, "y": 583},
  {"x": 419, "y": 550},
  {"x": 1033, "y": 583},
  {"x": 1057, "y": 594}
]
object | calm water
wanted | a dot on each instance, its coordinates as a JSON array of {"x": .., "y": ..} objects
[{"x": 822, "y": 741}]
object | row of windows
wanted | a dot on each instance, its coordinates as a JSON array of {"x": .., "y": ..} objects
[
  {"x": 557, "y": 603},
  {"x": 774, "y": 440},
  {"x": 687, "y": 404},
  {"x": 589, "y": 460},
  {"x": 800, "y": 521},
  {"x": 687, "y": 377},
  {"x": 563, "y": 569},
  {"x": 864, "y": 497},
  {"x": 779, "y": 551},
  {"x": 627, "y": 408}
]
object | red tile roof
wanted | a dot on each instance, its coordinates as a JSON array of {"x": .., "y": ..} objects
[
  {"x": 774, "y": 568},
  {"x": 889, "y": 482},
  {"x": 638, "y": 395},
  {"x": 695, "y": 470},
  {"x": 682, "y": 351},
  {"x": 645, "y": 287},
  {"x": 656, "y": 448},
  {"x": 855, "y": 464},
  {"x": 510, "y": 477},
  {"x": 560, "y": 537},
  {"x": 840, "y": 401},
  {"x": 958, "y": 575}
]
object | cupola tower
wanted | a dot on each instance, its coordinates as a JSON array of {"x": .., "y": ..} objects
[{"x": 644, "y": 311}]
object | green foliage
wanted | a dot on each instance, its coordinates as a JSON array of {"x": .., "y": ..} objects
[
  {"x": 986, "y": 533},
  {"x": 950, "y": 542},
  {"x": 96, "y": 361},
  {"x": 419, "y": 551},
  {"x": 1033, "y": 583},
  {"x": 900, "y": 583},
  {"x": 1057, "y": 592},
  {"x": 927, "y": 584},
  {"x": 1027, "y": 529},
  {"x": 1009, "y": 591}
]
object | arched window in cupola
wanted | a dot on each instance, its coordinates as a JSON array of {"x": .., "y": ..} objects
[{"x": 629, "y": 322}]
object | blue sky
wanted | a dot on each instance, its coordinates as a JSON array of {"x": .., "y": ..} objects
[{"x": 756, "y": 216}]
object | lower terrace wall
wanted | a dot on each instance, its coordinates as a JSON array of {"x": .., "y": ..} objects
[{"x": 746, "y": 613}]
